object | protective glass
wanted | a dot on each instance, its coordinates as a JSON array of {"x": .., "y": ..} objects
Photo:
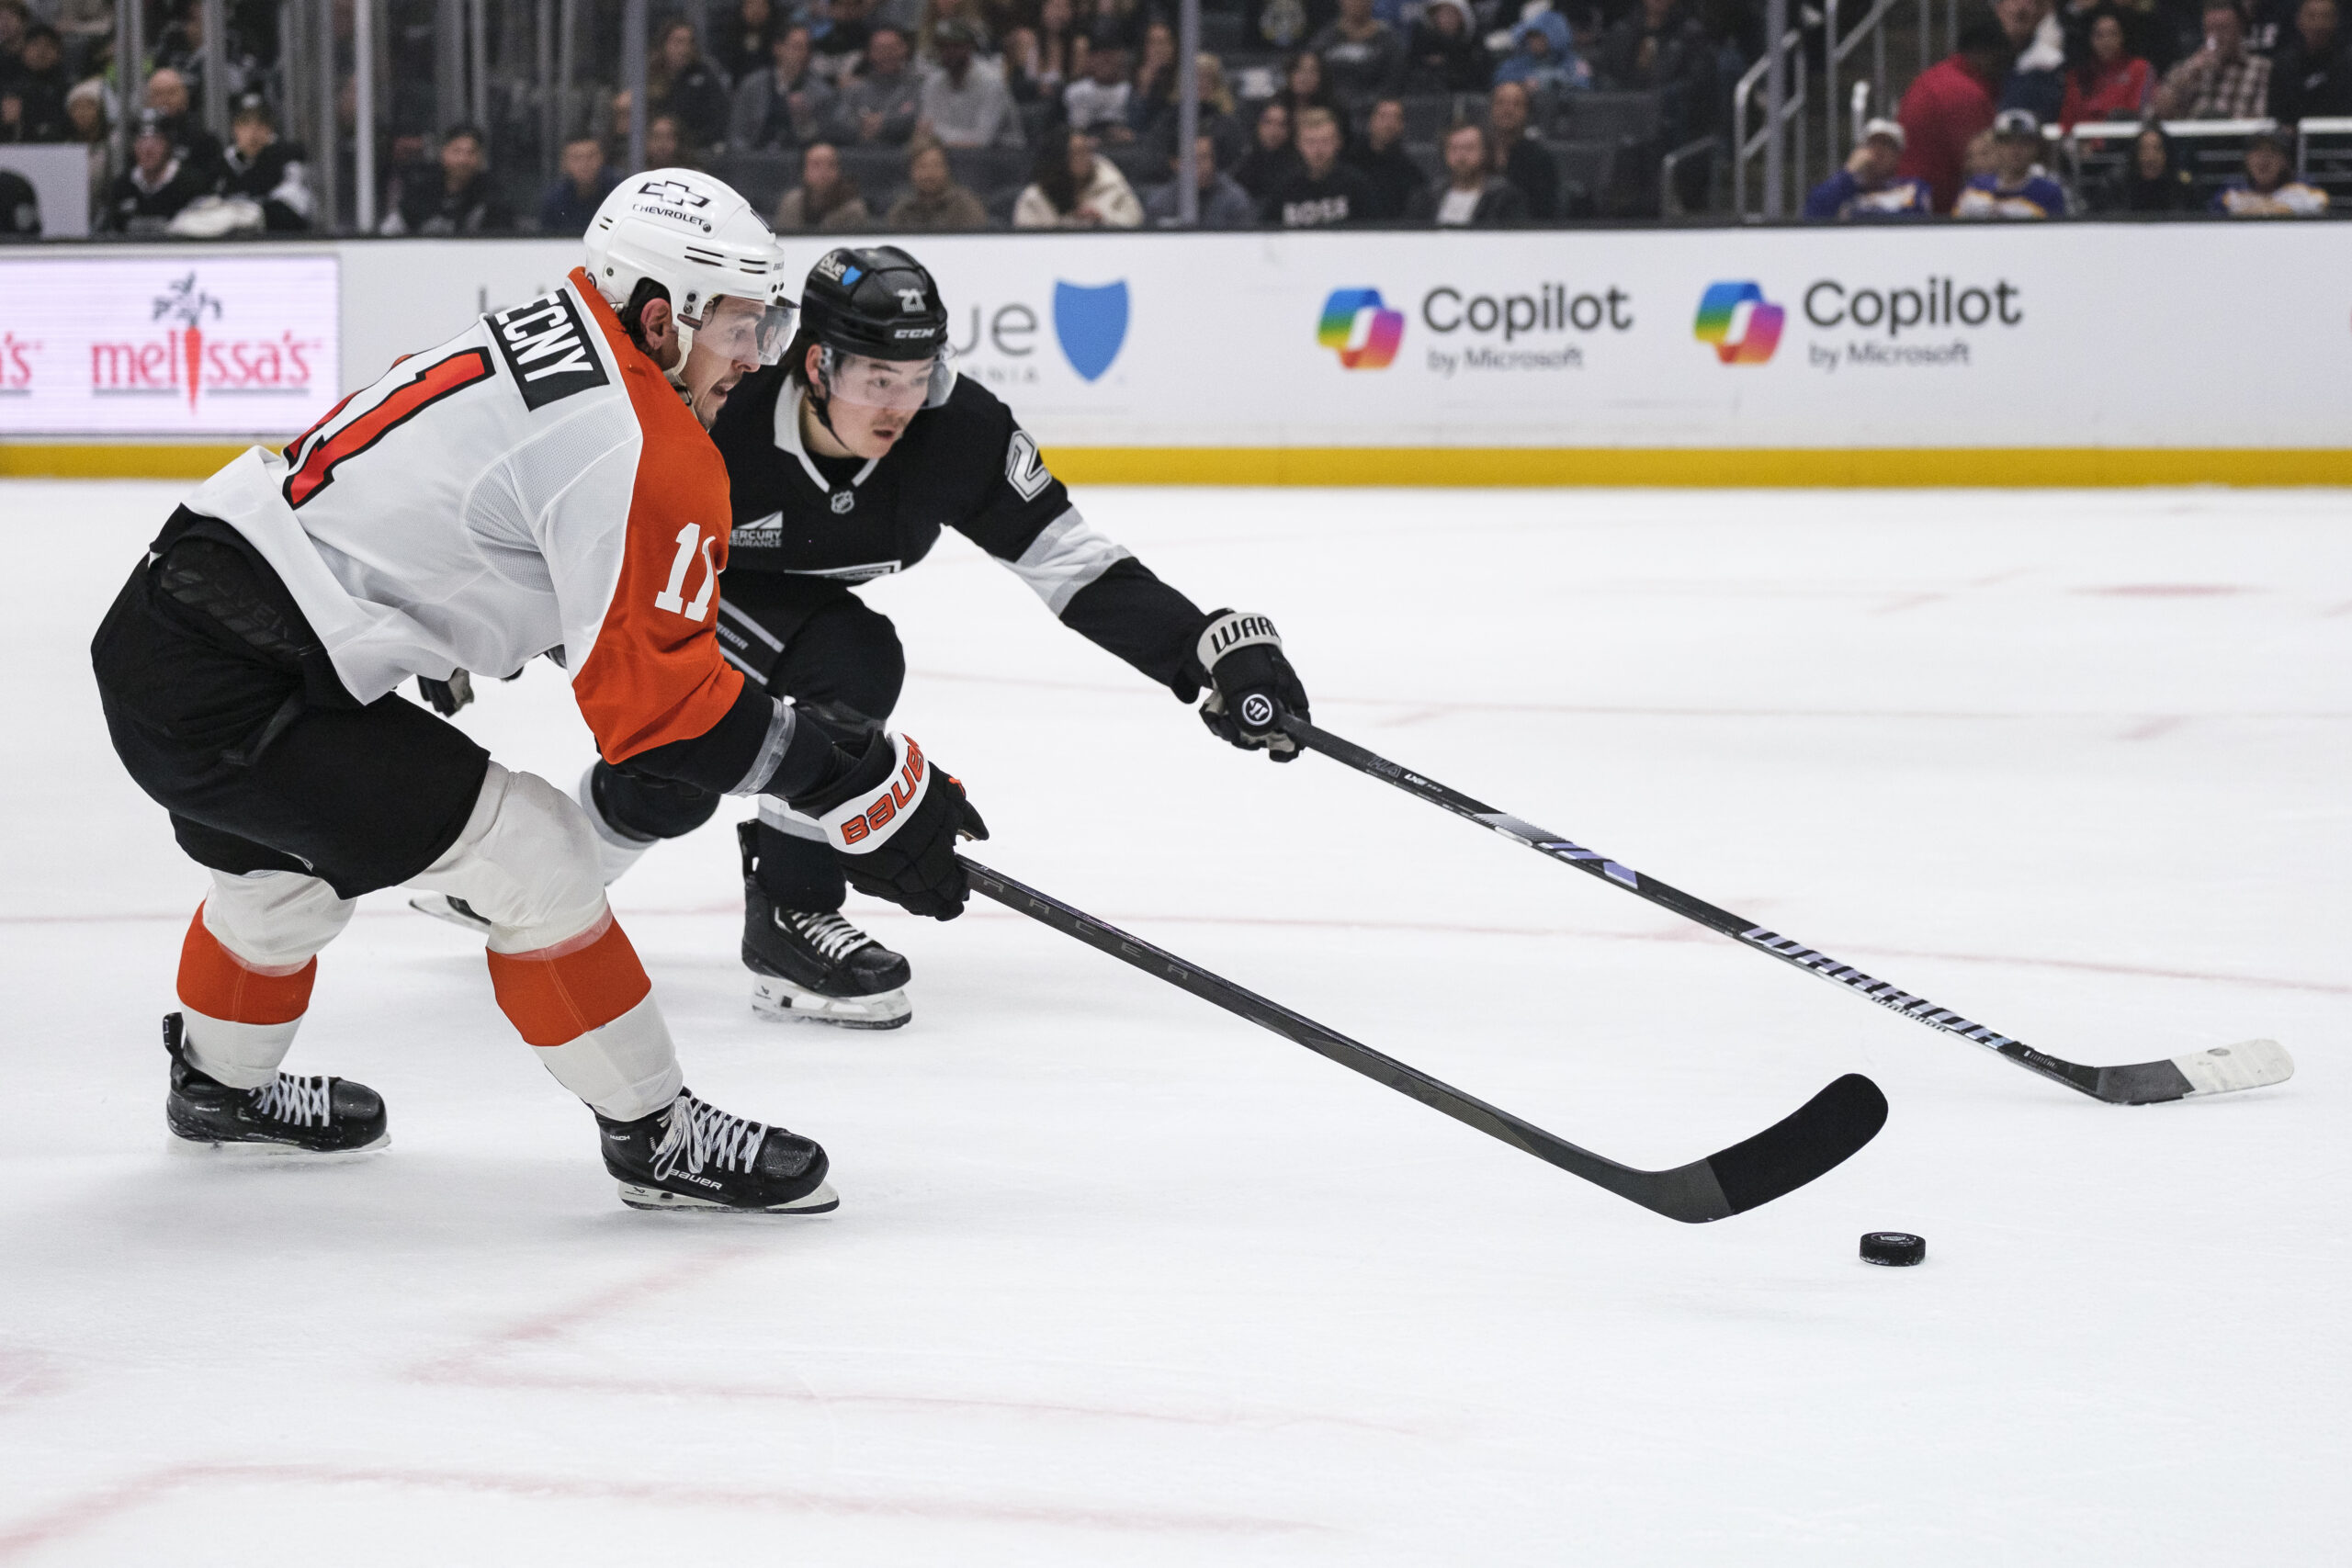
[
  {"x": 744, "y": 331},
  {"x": 902, "y": 384}
]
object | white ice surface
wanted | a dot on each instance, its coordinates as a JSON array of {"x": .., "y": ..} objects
[{"x": 1117, "y": 1279}]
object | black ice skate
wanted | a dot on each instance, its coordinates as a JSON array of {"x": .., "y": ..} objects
[
  {"x": 297, "y": 1117},
  {"x": 814, "y": 966},
  {"x": 694, "y": 1155}
]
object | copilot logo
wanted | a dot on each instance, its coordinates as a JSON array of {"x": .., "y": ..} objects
[
  {"x": 1742, "y": 326},
  {"x": 1365, "y": 331}
]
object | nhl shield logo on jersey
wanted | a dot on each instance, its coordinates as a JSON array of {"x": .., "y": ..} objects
[{"x": 844, "y": 501}]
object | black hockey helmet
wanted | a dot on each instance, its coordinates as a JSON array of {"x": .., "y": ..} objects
[{"x": 877, "y": 301}]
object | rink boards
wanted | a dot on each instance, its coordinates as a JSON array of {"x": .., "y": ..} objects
[{"x": 2078, "y": 354}]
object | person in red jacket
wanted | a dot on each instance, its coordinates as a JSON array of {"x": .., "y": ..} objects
[
  {"x": 1949, "y": 105},
  {"x": 2110, "y": 82}
]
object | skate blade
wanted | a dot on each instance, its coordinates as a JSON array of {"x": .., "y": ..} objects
[
  {"x": 822, "y": 1201},
  {"x": 273, "y": 1154},
  {"x": 437, "y": 905},
  {"x": 781, "y": 1002}
]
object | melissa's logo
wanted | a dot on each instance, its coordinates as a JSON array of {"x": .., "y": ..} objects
[
  {"x": 1743, "y": 326},
  {"x": 1365, "y": 331}
]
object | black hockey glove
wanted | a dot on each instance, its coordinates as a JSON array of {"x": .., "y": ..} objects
[
  {"x": 446, "y": 696},
  {"x": 893, "y": 819},
  {"x": 1254, "y": 684}
]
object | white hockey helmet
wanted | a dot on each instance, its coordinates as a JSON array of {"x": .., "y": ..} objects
[{"x": 700, "y": 240}]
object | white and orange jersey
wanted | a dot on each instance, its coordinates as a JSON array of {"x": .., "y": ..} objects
[{"x": 533, "y": 483}]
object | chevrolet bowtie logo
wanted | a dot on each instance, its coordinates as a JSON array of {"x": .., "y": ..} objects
[{"x": 674, "y": 192}]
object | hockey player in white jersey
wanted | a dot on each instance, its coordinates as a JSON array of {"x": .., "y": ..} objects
[{"x": 541, "y": 483}]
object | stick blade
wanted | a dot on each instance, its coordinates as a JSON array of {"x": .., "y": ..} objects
[
  {"x": 1822, "y": 1135},
  {"x": 2224, "y": 1069}
]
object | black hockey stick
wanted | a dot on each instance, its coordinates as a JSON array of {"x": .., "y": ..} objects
[
  {"x": 2224, "y": 1069},
  {"x": 1782, "y": 1158}
]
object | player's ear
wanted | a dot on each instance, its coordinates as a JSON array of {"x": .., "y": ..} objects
[{"x": 659, "y": 332}]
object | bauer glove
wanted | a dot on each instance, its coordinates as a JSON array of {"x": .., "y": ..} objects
[
  {"x": 893, "y": 820},
  {"x": 1253, "y": 686}
]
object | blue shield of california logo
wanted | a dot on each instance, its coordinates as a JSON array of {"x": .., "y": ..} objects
[{"x": 1091, "y": 324}]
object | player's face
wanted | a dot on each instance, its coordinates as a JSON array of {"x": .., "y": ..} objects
[
  {"x": 737, "y": 336},
  {"x": 871, "y": 401}
]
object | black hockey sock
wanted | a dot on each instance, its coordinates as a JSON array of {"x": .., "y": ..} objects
[{"x": 798, "y": 874}]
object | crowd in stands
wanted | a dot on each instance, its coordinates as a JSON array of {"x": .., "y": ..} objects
[
  {"x": 1973, "y": 130},
  {"x": 945, "y": 115}
]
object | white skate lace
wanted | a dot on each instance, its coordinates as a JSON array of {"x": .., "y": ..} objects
[
  {"x": 693, "y": 1134},
  {"x": 300, "y": 1101},
  {"x": 829, "y": 933}
]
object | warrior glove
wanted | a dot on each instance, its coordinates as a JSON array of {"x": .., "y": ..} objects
[{"x": 1253, "y": 685}]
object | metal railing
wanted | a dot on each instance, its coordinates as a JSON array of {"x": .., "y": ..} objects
[
  {"x": 1870, "y": 32},
  {"x": 1772, "y": 140}
]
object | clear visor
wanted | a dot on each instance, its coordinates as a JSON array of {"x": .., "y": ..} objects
[
  {"x": 904, "y": 384},
  {"x": 744, "y": 331}
]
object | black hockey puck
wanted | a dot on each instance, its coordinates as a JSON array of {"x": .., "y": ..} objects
[{"x": 1896, "y": 1249}]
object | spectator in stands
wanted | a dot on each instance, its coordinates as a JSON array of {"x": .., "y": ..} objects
[
  {"x": 1152, "y": 98},
  {"x": 181, "y": 48},
  {"x": 1217, "y": 117},
  {"x": 839, "y": 31},
  {"x": 85, "y": 111},
  {"x": 1544, "y": 57},
  {"x": 1059, "y": 56},
  {"x": 1304, "y": 87},
  {"x": 2018, "y": 185},
  {"x": 19, "y": 207},
  {"x": 963, "y": 103},
  {"x": 1442, "y": 53},
  {"x": 747, "y": 41},
  {"x": 1397, "y": 181},
  {"x": 1471, "y": 195},
  {"x": 1222, "y": 203},
  {"x": 932, "y": 202},
  {"x": 586, "y": 180},
  {"x": 1518, "y": 156},
  {"x": 146, "y": 196},
  {"x": 681, "y": 83},
  {"x": 32, "y": 102},
  {"x": 1073, "y": 188},
  {"x": 879, "y": 106},
  {"x": 1271, "y": 158},
  {"x": 2150, "y": 29},
  {"x": 785, "y": 107},
  {"x": 462, "y": 200},
  {"x": 2221, "y": 81},
  {"x": 2037, "y": 78},
  {"x": 167, "y": 97},
  {"x": 2153, "y": 180},
  {"x": 1659, "y": 47},
  {"x": 2266, "y": 191},
  {"x": 273, "y": 175},
  {"x": 1867, "y": 188},
  {"x": 15, "y": 22},
  {"x": 1097, "y": 102},
  {"x": 2311, "y": 76},
  {"x": 1115, "y": 24},
  {"x": 1322, "y": 192},
  {"x": 666, "y": 147},
  {"x": 825, "y": 199},
  {"x": 1363, "y": 58},
  {"x": 935, "y": 15},
  {"x": 2106, "y": 83},
  {"x": 1948, "y": 104}
]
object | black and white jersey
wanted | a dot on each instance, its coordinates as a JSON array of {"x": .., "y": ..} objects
[{"x": 966, "y": 465}]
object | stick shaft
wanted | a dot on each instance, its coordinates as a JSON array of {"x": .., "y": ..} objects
[{"x": 1744, "y": 932}]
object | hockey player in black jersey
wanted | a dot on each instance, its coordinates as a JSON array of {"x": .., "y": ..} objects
[{"x": 844, "y": 460}]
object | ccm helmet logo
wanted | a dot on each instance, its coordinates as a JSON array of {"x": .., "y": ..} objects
[
  {"x": 677, "y": 193},
  {"x": 886, "y": 807}
]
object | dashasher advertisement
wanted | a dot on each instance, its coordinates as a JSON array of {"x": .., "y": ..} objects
[{"x": 195, "y": 343}]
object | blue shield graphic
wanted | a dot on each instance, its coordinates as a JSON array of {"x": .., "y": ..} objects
[{"x": 1091, "y": 324}]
